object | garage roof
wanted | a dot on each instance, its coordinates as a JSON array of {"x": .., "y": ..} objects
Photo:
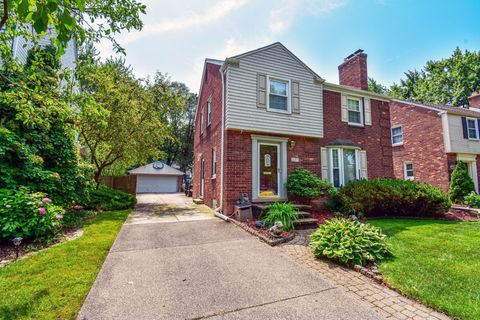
[{"x": 157, "y": 168}]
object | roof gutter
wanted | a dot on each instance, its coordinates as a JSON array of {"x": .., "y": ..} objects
[{"x": 222, "y": 75}]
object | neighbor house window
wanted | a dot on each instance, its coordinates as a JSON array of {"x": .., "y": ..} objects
[
  {"x": 354, "y": 107},
  {"x": 343, "y": 166},
  {"x": 278, "y": 98},
  {"x": 408, "y": 170},
  {"x": 209, "y": 113},
  {"x": 201, "y": 123},
  {"x": 397, "y": 136},
  {"x": 472, "y": 128},
  {"x": 214, "y": 163}
]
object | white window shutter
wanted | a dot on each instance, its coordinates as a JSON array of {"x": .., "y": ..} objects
[
  {"x": 324, "y": 163},
  {"x": 368, "y": 111},
  {"x": 261, "y": 91},
  {"x": 344, "y": 108},
  {"x": 363, "y": 164}
]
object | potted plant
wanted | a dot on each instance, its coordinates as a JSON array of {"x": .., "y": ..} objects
[{"x": 305, "y": 187}]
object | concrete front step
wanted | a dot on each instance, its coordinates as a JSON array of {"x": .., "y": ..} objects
[
  {"x": 304, "y": 214},
  {"x": 305, "y": 223},
  {"x": 301, "y": 207},
  {"x": 198, "y": 201}
]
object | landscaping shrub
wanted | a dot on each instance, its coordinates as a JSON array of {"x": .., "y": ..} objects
[
  {"x": 28, "y": 215},
  {"x": 106, "y": 198},
  {"x": 350, "y": 242},
  {"x": 461, "y": 184},
  {"x": 304, "y": 183},
  {"x": 391, "y": 197},
  {"x": 472, "y": 199},
  {"x": 284, "y": 212}
]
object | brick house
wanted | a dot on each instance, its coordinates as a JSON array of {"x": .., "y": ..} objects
[
  {"x": 264, "y": 112},
  {"x": 429, "y": 139}
]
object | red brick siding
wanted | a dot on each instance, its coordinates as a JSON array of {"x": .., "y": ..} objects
[
  {"x": 211, "y": 137},
  {"x": 353, "y": 72},
  {"x": 375, "y": 139},
  {"x": 423, "y": 145}
]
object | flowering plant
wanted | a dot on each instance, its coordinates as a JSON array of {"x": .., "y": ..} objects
[{"x": 28, "y": 215}]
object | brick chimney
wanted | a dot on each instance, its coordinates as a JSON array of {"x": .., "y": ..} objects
[
  {"x": 474, "y": 100},
  {"x": 353, "y": 71}
]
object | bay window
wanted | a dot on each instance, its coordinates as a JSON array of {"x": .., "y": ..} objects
[{"x": 344, "y": 166}]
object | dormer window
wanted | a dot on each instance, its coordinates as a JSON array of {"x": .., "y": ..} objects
[
  {"x": 354, "y": 107},
  {"x": 278, "y": 95}
]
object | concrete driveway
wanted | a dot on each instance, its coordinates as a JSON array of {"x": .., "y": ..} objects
[{"x": 205, "y": 268}]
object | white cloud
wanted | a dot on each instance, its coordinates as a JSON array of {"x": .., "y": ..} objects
[{"x": 316, "y": 7}]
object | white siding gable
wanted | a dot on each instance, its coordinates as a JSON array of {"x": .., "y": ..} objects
[{"x": 274, "y": 61}]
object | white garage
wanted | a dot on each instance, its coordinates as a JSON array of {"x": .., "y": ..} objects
[{"x": 157, "y": 177}]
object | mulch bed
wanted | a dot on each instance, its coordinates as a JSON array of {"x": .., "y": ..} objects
[
  {"x": 263, "y": 233},
  {"x": 461, "y": 215},
  {"x": 321, "y": 215},
  {"x": 8, "y": 252}
]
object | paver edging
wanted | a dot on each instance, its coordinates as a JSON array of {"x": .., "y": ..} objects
[{"x": 271, "y": 242}]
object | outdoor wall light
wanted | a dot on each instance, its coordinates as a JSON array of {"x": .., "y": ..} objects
[
  {"x": 16, "y": 242},
  {"x": 291, "y": 144}
]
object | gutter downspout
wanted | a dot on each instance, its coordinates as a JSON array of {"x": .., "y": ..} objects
[{"x": 219, "y": 209}]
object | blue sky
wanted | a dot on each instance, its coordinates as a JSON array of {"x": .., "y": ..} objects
[{"x": 396, "y": 35}]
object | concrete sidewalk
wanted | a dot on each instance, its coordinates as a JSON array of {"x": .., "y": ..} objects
[{"x": 209, "y": 269}]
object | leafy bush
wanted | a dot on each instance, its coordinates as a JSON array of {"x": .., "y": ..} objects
[
  {"x": 350, "y": 242},
  {"x": 106, "y": 198},
  {"x": 28, "y": 215},
  {"x": 281, "y": 211},
  {"x": 461, "y": 184},
  {"x": 391, "y": 197},
  {"x": 472, "y": 199},
  {"x": 304, "y": 183}
]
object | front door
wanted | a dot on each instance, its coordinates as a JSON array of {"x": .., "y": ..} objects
[{"x": 268, "y": 171}]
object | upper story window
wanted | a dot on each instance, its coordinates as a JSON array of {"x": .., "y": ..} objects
[
  {"x": 408, "y": 170},
  {"x": 397, "y": 136},
  {"x": 354, "y": 107},
  {"x": 278, "y": 97},
  {"x": 209, "y": 113},
  {"x": 201, "y": 123},
  {"x": 472, "y": 128}
]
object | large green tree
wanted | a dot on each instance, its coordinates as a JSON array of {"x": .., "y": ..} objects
[
  {"x": 178, "y": 111},
  {"x": 120, "y": 123},
  {"x": 448, "y": 81}
]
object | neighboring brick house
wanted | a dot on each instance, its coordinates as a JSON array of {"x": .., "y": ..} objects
[
  {"x": 263, "y": 113},
  {"x": 429, "y": 139}
]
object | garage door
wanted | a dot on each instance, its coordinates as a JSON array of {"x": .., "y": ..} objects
[{"x": 156, "y": 184}]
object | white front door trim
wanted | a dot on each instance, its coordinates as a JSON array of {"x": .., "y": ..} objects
[
  {"x": 471, "y": 161},
  {"x": 282, "y": 165}
]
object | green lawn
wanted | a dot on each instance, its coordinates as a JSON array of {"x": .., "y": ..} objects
[
  {"x": 53, "y": 283},
  {"x": 437, "y": 262}
]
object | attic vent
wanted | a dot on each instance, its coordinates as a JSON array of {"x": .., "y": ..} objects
[{"x": 158, "y": 165}]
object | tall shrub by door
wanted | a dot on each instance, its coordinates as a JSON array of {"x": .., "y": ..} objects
[{"x": 461, "y": 184}]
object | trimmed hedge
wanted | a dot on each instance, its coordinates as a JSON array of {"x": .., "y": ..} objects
[
  {"x": 304, "y": 183},
  {"x": 106, "y": 198},
  {"x": 390, "y": 197}
]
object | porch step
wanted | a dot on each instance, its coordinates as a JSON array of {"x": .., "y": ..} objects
[
  {"x": 305, "y": 223},
  {"x": 198, "y": 201},
  {"x": 304, "y": 214},
  {"x": 300, "y": 207}
]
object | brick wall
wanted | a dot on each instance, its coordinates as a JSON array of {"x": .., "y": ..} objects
[
  {"x": 375, "y": 139},
  {"x": 211, "y": 137},
  {"x": 353, "y": 72},
  {"x": 423, "y": 145}
]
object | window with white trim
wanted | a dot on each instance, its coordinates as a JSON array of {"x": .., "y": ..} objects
[
  {"x": 214, "y": 163},
  {"x": 344, "y": 166},
  {"x": 201, "y": 123},
  {"x": 278, "y": 95},
  {"x": 472, "y": 128},
  {"x": 209, "y": 113},
  {"x": 355, "y": 114},
  {"x": 397, "y": 136},
  {"x": 408, "y": 170}
]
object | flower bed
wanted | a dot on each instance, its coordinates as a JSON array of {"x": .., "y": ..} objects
[{"x": 263, "y": 233}]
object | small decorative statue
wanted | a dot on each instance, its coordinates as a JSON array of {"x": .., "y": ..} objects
[
  {"x": 243, "y": 200},
  {"x": 277, "y": 229}
]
